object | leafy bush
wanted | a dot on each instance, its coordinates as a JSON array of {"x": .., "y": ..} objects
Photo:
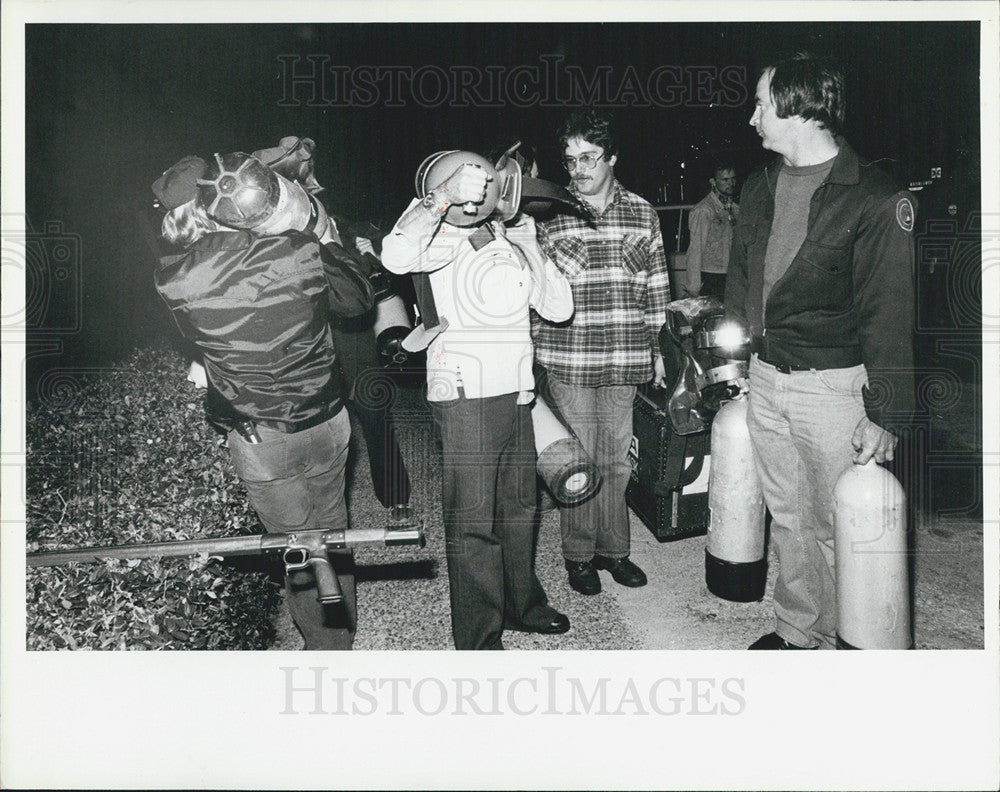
[{"x": 121, "y": 456}]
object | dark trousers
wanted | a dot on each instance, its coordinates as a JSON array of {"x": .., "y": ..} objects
[
  {"x": 369, "y": 393},
  {"x": 601, "y": 417},
  {"x": 713, "y": 285},
  {"x": 488, "y": 499},
  {"x": 389, "y": 478}
]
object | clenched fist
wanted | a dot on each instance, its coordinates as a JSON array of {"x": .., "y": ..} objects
[{"x": 467, "y": 185}]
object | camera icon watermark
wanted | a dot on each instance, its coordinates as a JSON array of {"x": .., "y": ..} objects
[{"x": 49, "y": 264}]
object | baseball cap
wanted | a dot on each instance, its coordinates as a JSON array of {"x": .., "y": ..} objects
[{"x": 179, "y": 183}]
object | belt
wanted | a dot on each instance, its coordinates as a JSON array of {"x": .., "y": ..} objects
[
  {"x": 784, "y": 368},
  {"x": 824, "y": 357},
  {"x": 287, "y": 427},
  {"x": 247, "y": 428}
]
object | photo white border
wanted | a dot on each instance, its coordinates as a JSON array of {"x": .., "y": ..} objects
[{"x": 868, "y": 720}]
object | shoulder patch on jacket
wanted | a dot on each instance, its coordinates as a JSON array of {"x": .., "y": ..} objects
[{"x": 905, "y": 214}]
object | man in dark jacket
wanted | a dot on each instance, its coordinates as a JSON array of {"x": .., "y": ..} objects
[
  {"x": 822, "y": 271},
  {"x": 366, "y": 380},
  {"x": 354, "y": 338},
  {"x": 258, "y": 307}
]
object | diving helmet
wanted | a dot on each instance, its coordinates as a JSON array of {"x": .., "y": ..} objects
[
  {"x": 239, "y": 190},
  {"x": 714, "y": 360},
  {"x": 503, "y": 191},
  {"x": 293, "y": 158}
]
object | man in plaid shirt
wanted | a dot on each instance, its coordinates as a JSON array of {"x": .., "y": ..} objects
[{"x": 615, "y": 264}]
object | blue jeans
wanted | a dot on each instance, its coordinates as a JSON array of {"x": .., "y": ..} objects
[
  {"x": 801, "y": 426},
  {"x": 601, "y": 418},
  {"x": 296, "y": 483},
  {"x": 489, "y": 506}
]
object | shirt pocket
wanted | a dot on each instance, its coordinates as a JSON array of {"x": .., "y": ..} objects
[
  {"x": 827, "y": 272},
  {"x": 570, "y": 256},
  {"x": 635, "y": 254}
]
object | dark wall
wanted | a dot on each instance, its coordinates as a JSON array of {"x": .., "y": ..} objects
[{"x": 108, "y": 107}]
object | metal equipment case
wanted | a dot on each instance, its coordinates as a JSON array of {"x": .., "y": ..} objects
[{"x": 668, "y": 489}]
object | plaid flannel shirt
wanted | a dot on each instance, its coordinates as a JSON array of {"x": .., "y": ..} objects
[{"x": 618, "y": 273}]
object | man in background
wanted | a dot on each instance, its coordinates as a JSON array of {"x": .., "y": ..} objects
[{"x": 711, "y": 225}]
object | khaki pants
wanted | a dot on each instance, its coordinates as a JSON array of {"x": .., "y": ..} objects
[{"x": 801, "y": 426}]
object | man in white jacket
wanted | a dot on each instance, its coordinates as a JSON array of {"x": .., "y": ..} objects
[{"x": 480, "y": 387}]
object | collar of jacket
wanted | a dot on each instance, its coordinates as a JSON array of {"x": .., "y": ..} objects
[
  {"x": 720, "y": 204},
  {"x": 846, "y": 167},
  {"x": 224, "y": 240}
]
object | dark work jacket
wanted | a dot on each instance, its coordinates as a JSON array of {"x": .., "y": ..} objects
[
  {"x": 354, "y": 337},
  {"x": 848, "y": 295},
  {"x": 258, "y": 308}
]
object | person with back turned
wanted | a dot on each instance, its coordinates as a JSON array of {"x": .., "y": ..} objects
[
  {"x": 354, "y": 338},
  {"x": 257, "y": 307}
]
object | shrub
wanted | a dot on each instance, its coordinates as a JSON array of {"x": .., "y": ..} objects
[{"x": 124, "y": 455}]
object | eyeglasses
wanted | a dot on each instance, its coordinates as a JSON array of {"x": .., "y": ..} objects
[{"x": 586, "y": 161}]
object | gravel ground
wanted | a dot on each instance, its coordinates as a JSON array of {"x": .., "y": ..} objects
[{"x": 403, "y": 592}]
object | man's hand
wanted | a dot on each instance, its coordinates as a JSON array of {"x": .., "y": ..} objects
[
  {"x": 365, "y": 246},
  {"x": 871, "y": 440},
  {"x": 467, "y": 185},
  {"x": 659, "y": 372}
]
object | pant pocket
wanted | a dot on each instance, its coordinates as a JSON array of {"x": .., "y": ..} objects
[
  {"x": 844, "y": 381},
  {"x": 265, "y": 461}
]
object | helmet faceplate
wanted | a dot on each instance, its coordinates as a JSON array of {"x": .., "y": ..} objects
[
  {"x": 239, "y": 190},
  {"x": 715, "y": 352}
]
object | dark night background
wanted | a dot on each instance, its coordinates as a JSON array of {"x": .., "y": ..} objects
[{"x": 109, "y": 107}]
